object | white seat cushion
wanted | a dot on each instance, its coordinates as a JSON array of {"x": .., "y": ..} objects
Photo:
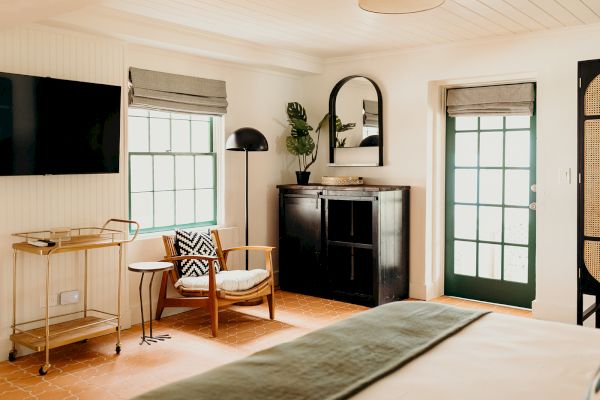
[{"x": 232, "y": 281}]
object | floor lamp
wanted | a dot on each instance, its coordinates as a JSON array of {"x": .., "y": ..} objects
[{"x": 246, "y": 140}]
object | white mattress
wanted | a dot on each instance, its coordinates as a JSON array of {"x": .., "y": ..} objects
[{"x": 499, "y": 357}]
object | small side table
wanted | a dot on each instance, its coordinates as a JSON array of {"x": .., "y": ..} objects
[{"x": 147, "y": 267}]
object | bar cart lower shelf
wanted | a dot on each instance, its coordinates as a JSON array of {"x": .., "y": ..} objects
[{"x": 91, "y": 322}]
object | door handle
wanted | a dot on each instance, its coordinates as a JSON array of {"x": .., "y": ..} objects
[{"x": 532, "y": 206}]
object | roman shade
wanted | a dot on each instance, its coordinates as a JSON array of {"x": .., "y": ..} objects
[
  {"x": 371, "y": 115},
  {"x": 179, "y": 93},
  {"x": 515, "y": 99}
]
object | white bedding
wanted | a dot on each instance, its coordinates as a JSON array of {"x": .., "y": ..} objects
[{"x": 499, "y": 357}]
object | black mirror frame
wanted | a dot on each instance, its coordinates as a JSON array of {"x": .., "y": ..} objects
[{"x": 332, "y": 99}]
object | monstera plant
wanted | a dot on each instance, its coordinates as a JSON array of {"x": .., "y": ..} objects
[{"x": 300, "y": 143}]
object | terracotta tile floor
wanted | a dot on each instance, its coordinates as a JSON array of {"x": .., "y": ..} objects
[{"x": 92, "y": 370}]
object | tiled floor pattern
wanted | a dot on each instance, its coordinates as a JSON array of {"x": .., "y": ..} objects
[{"x": 92, "y": 370}]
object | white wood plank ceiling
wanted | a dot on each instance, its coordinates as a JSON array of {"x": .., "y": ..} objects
[{"x": 332, "y": 28}]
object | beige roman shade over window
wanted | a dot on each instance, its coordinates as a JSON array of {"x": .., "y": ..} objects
[
  {"x": 179, "y": 93},
  {"x": 516, "y": 99}
]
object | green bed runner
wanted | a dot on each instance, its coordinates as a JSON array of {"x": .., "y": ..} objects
[{"x": 331, "y": 363}]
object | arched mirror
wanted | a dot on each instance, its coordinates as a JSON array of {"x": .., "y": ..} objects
[{"x": 356, "y": 123}]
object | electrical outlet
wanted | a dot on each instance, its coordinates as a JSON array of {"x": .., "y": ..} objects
[
  {"x": 70, "y": 297},
  {"x": 53, "y": 300}
]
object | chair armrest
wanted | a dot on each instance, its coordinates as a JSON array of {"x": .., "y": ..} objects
[
  {"x": 191, "y": 257},
  {"x": 242, "y": 248}
]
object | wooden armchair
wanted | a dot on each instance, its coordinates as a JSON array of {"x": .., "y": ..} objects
[{"x": 213, "y": 295}]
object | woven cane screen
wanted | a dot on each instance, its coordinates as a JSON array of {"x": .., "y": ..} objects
[
  {"x": 592, "y": 178},
  {"x": 592, "y": 98},
  {"x": 591, "y": 257}
]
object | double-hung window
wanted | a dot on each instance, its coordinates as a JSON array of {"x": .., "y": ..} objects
[{"x": 172, "y": 169}]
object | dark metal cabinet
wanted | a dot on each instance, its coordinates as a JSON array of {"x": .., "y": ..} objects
[{"x": 346, "y": 243}]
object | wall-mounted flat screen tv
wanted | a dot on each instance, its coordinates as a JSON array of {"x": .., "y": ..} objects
[{"x": 54, "y": 126}]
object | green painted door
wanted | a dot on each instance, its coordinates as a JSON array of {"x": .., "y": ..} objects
[{"x": 490, "y": 209}]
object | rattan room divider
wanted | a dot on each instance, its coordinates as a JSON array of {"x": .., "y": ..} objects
[{"x": 588, "y": 194}]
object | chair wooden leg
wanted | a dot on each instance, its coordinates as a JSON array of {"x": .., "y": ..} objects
[
  {"x": 162, "y": 295},
  {"x": 271, "y": 306},
  {"x": 597, "y": 313},
  {"x": 214, "y": 317}
]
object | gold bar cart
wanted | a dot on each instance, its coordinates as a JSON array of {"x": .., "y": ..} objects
[{"x": 87, "y": 326}]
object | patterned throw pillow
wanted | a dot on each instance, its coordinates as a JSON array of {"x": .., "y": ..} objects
[{"x": 194, "y": 243}]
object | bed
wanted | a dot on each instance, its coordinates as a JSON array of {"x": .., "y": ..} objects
[{"x": 412, "y": 350}]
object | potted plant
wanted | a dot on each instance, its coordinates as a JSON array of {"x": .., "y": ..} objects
[{"x": 300, "y": 142}]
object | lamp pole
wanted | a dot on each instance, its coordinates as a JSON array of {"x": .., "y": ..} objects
[{"x": 246, "y": 251}]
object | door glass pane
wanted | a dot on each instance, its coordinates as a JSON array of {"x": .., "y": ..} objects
[
  {"x": 142, "y": 207},
  {"x": 515, "y": 264},
  {"x": 490, "y": 261},
  {"x": 180, "y": 130},
  {"x": 137, "y": 132},
  {"x": 164, "y": 173},
  {"x": 490, "y": 181},
  {"x": 465, "y": 186},
  {"x": 516, "y": 192},
  {"x": 466, "y": 123},
  {"x": 465, "y": 222},
  {"x": 490, "y": 149},
  {"x": 160, "y": 137},
  {"x": 490, "y": 224},
  {"x": 140, "y": 179},
  {"x": 464, "y": 258},
  {"x": 204, "y": 205},
  {"x": 184, "y": 207},
  {"x": 491, "y": 122},
  {"x": 184, "y": 167},
  {"x": 466, "y": 149},
  {"x": 201, "y": 137},
  {"x": 205, "y": 172},
  {"x": 518, "y": 122},
  {"x": 516, "y": 225},
  {"x": 164, "y": 214},
  {"x": 517, "y": 149}
]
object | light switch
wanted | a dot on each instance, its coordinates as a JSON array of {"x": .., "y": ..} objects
[{"x": 564, "y": 176}]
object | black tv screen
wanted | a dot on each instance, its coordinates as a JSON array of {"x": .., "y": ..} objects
[{"x": 54, "y": 126}]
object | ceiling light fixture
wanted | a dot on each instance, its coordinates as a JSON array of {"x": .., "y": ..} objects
[{"x": 398, "y": 6}]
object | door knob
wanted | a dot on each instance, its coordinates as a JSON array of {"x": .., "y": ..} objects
[{"x": 533, "y": 206}]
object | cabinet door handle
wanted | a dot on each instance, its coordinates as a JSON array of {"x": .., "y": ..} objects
[{"x": 317, "y": 198}]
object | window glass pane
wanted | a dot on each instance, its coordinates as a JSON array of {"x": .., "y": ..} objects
[
  {"x": 137, "y": 112},
  {"x": 490, "y": 148},
  {"x": 517, "y": 188},
  {"x": 465, "y": 222},
  {"x": 137, "y": 132},
  {"x": 160, "y": 114},
  {"x": 184, "y": 167},
  {"x": 180, "y": 130},
  {"x": 465, "y": 149},
  {"x": 184, "y": 210},
  {"x": 160, "y": 140},
  {"x": 490, "y": 261},
  {"x": 464, "y": 258},
  {"x": 142, "y": 208},
  {"x": 490, "y": 223},
  {"x": 180, "y": 116},
  {"x": 164, "y": 173},
  {"x": 517, "y": 149},
  {"x": 491, "y": 122},
  {"x": 518, "y": 122},
  {"x": 516, "y": 225},
  {"x": 199, "y": 117},
  {"x": 466, "y": 123},
  {"x": 465, "y": 186},
  {"x": 140, "y": 178},
  {"x": 164, "y": 210},
  {"x": 204, "y": 172},
  {"x": 515, "y": 264},
  {"x": 490, "y": 181},
  {"x": 205, "y": 205},
  {"x": 201, "y": 137}
]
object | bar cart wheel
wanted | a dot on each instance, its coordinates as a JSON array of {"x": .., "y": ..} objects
[
  {"x": 118, "y": 349},
  {"x": 12, "y": 355},
  {"x": 44, "y": 369}
]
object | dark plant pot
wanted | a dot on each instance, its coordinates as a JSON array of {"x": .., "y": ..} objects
[{"x": 302, "y": 177}]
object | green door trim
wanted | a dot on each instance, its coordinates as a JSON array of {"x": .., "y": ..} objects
[{"x": 475, "y": 287}]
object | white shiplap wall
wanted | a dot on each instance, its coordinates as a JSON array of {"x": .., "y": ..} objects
[{"x": 39, "y": 202}]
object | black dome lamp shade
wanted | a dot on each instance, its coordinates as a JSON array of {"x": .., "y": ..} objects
[{"x": 246, "y": 140}]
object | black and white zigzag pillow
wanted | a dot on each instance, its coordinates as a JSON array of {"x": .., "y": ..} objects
[{"x": 194, "y": 243}]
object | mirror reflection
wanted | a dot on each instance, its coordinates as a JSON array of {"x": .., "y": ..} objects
[{"x": 356, "y": 105}]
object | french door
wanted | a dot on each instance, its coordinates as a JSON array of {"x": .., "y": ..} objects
[{"x": 490, "y": 209}]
